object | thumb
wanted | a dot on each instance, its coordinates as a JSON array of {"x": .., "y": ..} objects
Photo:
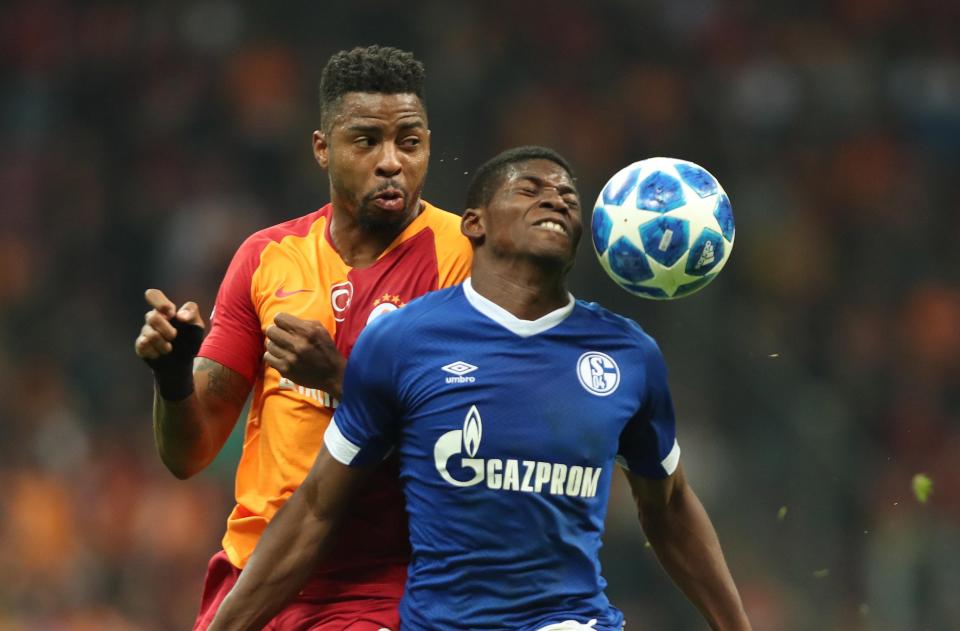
[{"x": 189, "y": 312}]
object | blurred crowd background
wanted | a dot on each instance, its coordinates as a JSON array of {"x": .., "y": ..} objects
[{"x": 141, "y": 142}]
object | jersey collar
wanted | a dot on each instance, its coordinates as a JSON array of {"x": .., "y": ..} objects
[{"x": 523, "y": 328}]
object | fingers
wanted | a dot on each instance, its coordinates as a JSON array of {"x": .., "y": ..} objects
[
  {"x": 190, "y": 313},
  {"x": 283, "y": 344},
  {"x": 160, "y": 323},
  {"x": 159, "y": 301},
  {"x": 291, "y": 323},
  {"x": 282, "y": 338},
  {"x": 281, "y": 359},
  {"x": 150, "y": 344},
  {"x": 309, "y": 330},
  {"x": 158, "y": 331}
]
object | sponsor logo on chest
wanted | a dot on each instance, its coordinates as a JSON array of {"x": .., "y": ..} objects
[{"x": 508, "y": 474}]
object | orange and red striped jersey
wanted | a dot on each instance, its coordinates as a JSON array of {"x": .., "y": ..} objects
[{"x": 294, "y": 268}]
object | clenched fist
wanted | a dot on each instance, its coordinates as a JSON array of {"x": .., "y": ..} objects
[
  {"x": 161, "y": 325},
  {"x": 304, "y": 352},
  {"x": 168, "y": 342}
]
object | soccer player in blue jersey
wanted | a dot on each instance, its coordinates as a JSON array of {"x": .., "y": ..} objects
[{"x": 508, "y": 402}]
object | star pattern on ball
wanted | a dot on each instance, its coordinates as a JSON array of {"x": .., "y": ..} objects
[{"x": 624, "y": 221}]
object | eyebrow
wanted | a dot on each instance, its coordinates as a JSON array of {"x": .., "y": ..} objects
[
  {"x": 563, "y": 189},
  {"x": 374, "y": 129},
  {"x": 364, "y": 129}
]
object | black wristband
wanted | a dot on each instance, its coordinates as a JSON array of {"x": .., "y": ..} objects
[{"x": 173, "y": 372}]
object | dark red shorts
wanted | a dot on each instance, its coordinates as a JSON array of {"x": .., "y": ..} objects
[{"x": 316, "y": 608}]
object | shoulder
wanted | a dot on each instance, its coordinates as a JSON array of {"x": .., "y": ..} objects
[
  {"x": 440, "y": 220},
  {"x": 445, "y": 226},
  {"x": 300, "y": 227},
  {"x": 602, "y": 319}
]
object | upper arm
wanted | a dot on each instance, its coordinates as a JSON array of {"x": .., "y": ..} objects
[
  {"x": 653, "y": 495},
  {"x": 648, "y": 443},
  {"x": 235, "y": 340},
  {"x": 329, "y": 485}
]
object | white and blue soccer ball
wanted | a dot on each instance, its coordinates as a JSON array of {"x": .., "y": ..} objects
[{"x": 662, "y": 228}]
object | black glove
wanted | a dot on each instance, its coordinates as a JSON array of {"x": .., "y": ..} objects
[{"x": 173, "y": 372}]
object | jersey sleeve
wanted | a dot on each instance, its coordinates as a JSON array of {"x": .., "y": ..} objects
[
  {"x": 365, "y": 426},
  {"x": 648, "y": 443},
  {"x": 236, "y": 339}
]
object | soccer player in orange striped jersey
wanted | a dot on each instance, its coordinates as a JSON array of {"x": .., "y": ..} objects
[{"x": 293, "y": 301}]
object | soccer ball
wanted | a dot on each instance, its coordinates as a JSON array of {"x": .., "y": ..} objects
[{"x": 662, "y": 228}]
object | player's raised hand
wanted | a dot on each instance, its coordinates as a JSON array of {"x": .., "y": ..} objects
[
  {"x": 304, "y": 352},
  {"x": 161, "y": 324}
]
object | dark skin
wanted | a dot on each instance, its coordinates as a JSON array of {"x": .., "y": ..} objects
[
  {"x": 375, "y": 148},
  {"x": 521, "y": 264}
]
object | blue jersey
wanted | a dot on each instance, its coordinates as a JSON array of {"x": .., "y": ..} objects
[{"x": 507, "y": 431}]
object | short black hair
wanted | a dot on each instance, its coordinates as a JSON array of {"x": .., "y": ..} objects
[
  {"x": 378, "y": 69},
  {"x": 488, "y": 177}
]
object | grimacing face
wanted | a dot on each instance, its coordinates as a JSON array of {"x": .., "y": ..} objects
[
  {"x": 534, "y": 213},
  {"x": 376, "y": 151}
]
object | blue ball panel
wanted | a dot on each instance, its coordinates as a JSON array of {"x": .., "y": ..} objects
[
  {"x": 665, "y": 239},
  {"x": 698, "y": 179},
  {"x": 642, "y": 290},
  {"x": 601, "y": 227},
  {"x": 617, "y": 195},
  {"x": 724, "y": 214},
  {"x": 660, "y": 193},
  {"x": 628, "y": 262},
  {"x": 706, "y": 253},
  {"x": 689, "y": 288}
]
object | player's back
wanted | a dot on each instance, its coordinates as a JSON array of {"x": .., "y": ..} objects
[{"x": 508, "y": 435}]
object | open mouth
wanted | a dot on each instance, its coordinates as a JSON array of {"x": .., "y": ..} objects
[
  {"x": 390, "y": 199},
  {"x": 552, "y": 226}
]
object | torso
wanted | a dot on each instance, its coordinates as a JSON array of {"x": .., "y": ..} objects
[{"x": 294, "y": 268}]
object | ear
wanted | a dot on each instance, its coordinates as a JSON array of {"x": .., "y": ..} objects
[
  {"x": 472, "y": 224},
  {"x": 320, "y": 149}
]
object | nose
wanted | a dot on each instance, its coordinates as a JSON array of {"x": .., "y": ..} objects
[
  {"x": 552, "y": 199},
  {"x": 388, "y": 163}
]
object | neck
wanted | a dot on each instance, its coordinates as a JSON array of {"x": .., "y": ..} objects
[
  {"x": 526, "y": 291},
  {"x": 358, "y": 244}
]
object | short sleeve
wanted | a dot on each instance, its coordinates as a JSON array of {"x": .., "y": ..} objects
[
  {"x": 235, "y": 339},
  {"x": 366, "y": 424},
  {"x": 648, "y": 443}
]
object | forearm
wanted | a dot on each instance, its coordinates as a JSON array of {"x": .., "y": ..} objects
[
  {"x": 285, "y": 556},
  {"x": 189, "y": 433},
  {"x": 180, "y": 436},
  {"x": 687, "y": 545}
]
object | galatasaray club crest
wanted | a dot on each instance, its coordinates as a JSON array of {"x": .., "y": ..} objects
[{"x": 384, "y": 304}]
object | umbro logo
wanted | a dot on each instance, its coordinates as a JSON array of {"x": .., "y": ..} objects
[{"x": 460, "y": 371}]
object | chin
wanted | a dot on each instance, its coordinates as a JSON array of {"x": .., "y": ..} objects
[
  {"x": 553, "y": 258},
  {"x": 376, "y": 219}
]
